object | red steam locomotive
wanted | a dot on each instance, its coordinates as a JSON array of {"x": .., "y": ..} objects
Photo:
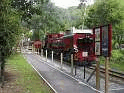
[{"x": 80, "y": 44}]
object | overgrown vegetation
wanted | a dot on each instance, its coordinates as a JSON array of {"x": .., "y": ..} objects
[
  {"x": 116, "y": 61},
  {"x": 104, "y": 12},
  {"x": 26, "y": 77}
]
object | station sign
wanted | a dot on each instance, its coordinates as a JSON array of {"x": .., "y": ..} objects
[
  {"x": 103, "y": 40},
  {"x": 97, "y": 41}
]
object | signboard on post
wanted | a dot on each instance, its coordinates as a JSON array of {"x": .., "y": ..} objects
[
  {"x": 97, "y": 41},
  {"x": 103, "y": 40},
  {"x": 103, "y": 47},
  {"x": 97, "y": 33},
  {"x": 97, "y": 48}
]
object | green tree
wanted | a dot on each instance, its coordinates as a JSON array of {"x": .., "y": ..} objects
[
  {"x": 10, "y": 31},
  {"x": 26, "y": 8},
  {"x": 49, "y": 21},
  {"x": 103, "y": 12}
]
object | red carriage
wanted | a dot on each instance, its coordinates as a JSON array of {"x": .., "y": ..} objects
[
  {"x": 38, "y": 44},
  {"x": 80, "y": 44}
]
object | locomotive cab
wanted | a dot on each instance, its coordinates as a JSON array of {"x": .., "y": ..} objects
[
  {"x": 85, "y": 45},
  {"x": 85, "y": 53},
  {"x": 81, "y": 44}
]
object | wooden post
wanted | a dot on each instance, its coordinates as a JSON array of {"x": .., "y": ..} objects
[
  {"x": 22, "y": 43},
  {"x": 106, "y": 75},
  {"x": 97, "y": 74},
  {"x": 20, "y": 49},
  {"x": 32, "y": 48},
  {"x": 28, "y": 44},
  {"x": 38, "y": 51},
  {"x": 61, "y": 59},
  {"x": 41, "y": 52},
  {"x": 84, "y": 70},
  {"x": 72, "y": 64},
  {"x": 46, "y": 55},
  {"x": 75, "y": 70},
  {"x": 41, "y": 49},
  {"x": 52, "y": 56}
]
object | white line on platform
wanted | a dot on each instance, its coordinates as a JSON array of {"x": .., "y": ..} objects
[
  {"x": 43, "y": 78},
  {"x": 72, "y": 77},
  {"x": 118, "y": 89}
]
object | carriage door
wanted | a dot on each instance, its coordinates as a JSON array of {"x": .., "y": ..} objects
[{"x": 86, "y": 46}]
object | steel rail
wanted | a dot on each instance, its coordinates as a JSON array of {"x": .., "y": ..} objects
[
  {"x": 114, "y": 73},
  {"x": 111, "y": 72}
]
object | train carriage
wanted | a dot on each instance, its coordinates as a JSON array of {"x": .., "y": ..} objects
[{"x": 80, "y": 44}]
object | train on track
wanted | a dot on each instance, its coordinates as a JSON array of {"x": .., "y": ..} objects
[{"x": 80, "y": 44}]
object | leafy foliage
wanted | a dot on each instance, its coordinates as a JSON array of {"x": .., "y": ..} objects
[
  {"x": 9, "y": 28},
  {"x": 25, "y": 8},
  {"x": 104, "y": 12},
  {"x": 10, "y": 32},
  {"x": 116, "y": 61},
  {"x": 49, "y": 22}
]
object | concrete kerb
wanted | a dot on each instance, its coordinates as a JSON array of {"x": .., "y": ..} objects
[{"x": 118, "y": 89}]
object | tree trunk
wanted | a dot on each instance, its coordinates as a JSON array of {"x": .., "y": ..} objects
[
  {"x": 2, "y": 71},
  {"x": 2, "y": 77}
]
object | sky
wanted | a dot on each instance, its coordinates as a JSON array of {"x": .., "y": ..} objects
[{"x": 68, "y": 3}]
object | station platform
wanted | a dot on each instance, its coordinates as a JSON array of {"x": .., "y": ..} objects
[{"x": 59, "y": 81}]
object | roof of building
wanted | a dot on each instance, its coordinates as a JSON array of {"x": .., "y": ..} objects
[{"x": 74, "y": 30}]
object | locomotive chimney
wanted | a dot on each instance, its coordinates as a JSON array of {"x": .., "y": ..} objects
[{"x": 68, "y": 32}]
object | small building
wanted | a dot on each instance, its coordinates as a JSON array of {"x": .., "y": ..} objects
[{"x": 38, "y": 44}]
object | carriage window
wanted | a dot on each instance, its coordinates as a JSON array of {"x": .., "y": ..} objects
[
  {"x": 84, "y": 43},
  {"x": 57, "y": 44}
]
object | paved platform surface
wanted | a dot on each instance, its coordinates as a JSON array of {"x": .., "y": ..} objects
[{"x": 58, "y": 80}]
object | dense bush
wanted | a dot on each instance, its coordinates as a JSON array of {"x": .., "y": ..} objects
[{"x": 116, "y": 60}]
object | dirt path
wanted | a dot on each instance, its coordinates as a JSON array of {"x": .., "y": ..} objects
[{"x": 9, "y": 84}]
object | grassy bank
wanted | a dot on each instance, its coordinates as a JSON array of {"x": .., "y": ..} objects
[
  {"x": 26, "y": 77},
  {"x": 116, "y": 61}
]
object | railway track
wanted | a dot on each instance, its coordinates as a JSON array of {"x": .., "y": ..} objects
[{"x": 113, "y": 73}]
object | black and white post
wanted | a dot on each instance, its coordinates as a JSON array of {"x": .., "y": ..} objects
[
  {"x": 61, "y": 60},
  {"x": 46, "y": 55},
  {"x": 52, "y": 56},
  {"x": 72, "y": 64}
]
